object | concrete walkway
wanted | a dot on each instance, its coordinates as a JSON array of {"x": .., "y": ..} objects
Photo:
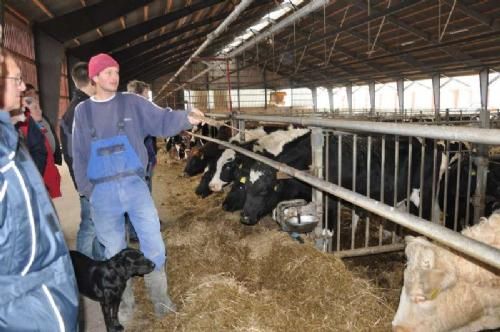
[{"x": 68, "y": 209}]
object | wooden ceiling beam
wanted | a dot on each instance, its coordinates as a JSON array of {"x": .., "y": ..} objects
[
  {"x": 75, "y": 23},
  {"x": 120, "y": 38}
]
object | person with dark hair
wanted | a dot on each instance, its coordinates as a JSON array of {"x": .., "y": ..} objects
[
  {"x": 36, "y": 122},
  {"x": 37, "y": 283},
  {"x": 32, "y": 95},
  {"x": 109, "y": 160},
  {"x": 86, "y": 238}
]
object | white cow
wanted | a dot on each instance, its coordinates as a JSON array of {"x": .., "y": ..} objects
[{"x": 445, "y": 291}]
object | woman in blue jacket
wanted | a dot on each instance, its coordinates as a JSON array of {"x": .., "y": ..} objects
[{"x": 38, "y": 290}]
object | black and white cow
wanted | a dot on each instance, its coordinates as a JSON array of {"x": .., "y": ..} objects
[
  {"x": 200, "y": 157},
  {"x": 229, "y": 155},
  {"x": 264, "y": 190}
]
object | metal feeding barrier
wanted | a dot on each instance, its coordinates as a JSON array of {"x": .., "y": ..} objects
[{"x": 454, "y": 240}]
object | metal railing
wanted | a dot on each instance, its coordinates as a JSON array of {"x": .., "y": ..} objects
[{"x": 437, "y": 132}]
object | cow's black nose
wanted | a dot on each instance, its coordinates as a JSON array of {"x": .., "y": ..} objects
[{"x": 244, "y": 219}]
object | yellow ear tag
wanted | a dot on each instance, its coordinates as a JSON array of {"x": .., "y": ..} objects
[
  {"x": 243, "y": 180},
  {"x": 434, "y": 294}
]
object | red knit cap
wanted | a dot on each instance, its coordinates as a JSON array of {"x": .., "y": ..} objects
[{"x": 100, "y": 62}]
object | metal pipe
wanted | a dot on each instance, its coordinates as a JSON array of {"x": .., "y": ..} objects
[
  {"x": 210, "y": 37},
  {"x": 304, "y": 11},
  {"x": 370, "y": 250},
  {"x": 454, "y": 240},
  {"x": 473, "y": 135},
  {"x": 368, "y": 183},
  {"x": 339, "y": 182},
  {"x": 382, "y": 188},
  {"x": 354, "y": 222}
]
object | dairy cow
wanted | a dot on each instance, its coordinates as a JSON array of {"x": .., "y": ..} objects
[{"x": 264, "y": 190}]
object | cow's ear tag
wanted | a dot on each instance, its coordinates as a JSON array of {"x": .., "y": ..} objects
[
  {"x": 276, "y": 188},
  {"x": 243, "y": 180},
  {"x": 241, "y": 166},
  {"x": 434, "y": 294},
  {"x": 202, "y": 157}
]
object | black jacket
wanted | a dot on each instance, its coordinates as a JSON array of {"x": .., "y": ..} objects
[
  {"x": 66, "y": 126},
  {"x": 35, "y": 142}
]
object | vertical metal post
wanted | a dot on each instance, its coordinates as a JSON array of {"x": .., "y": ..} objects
[
  {"x": 339, "y": 182},
  {"x": 354, "y": 216},
  {"x": 348, "y": 90},
  {"x": 241, "y": 127},
  {"x": 228, "y": 76},
  {"x": 314, "y": 92},
  {"x": 436, "y": 89},
  {"x": 264, "y": 78},
  {"x": 371, "y": 90},
  {"x": 330, "y": 99},
  {"x": 291, "y": 94},
  {"x": 238, "y": 82},
  {"x": 482, "y": 150},
  {"x": 208, "y": 93},
  {"x": 317, "y": 144},
  {"x": 401, "y": 95}
]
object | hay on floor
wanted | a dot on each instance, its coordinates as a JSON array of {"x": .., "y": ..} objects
[{"x": 224, "y": 276}]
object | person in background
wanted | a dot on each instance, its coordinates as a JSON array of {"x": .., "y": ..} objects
[
  {"x": 38, "y": 290},
  {"x": 50, "y": 173},
  {"x": 110, "y": 159},
  {"x": 86, "y": 239},
  {"x": 31, "y": 94}
]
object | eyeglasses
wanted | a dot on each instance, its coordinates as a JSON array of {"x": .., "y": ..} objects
[{"x": 19, "y": 80}]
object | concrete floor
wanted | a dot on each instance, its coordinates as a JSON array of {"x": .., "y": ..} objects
[{"x": 68, "y": 209}]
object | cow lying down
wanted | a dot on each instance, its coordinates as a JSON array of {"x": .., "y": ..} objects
[{"x": 445, "y": 291}]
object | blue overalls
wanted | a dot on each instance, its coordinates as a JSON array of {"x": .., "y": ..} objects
[{"x": 117, "y": 174}]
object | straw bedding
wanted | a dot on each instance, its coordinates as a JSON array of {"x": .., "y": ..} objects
[{"x": 224, "y": 276}]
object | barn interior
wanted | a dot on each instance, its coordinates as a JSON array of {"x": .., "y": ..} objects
[{"x": 391, "y": 72}]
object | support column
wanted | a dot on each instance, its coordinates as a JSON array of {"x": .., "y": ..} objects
[
  {"x": 265, "y": 88},
  {"x": 314, "y": 92},
  {"x": 436, "y": 90},
  {"x": 208, "y": 93},
  {"x": 371, "y": 90},
  {"x": 330, "y": 99},
  {"x": 481, "y": 159},
  {"x": 291, "y": 94},
  {"x": 238, "y": 82},
  {"x": 49, "y": 55},
  {"x": 317, "y": 143},
  {"x": 400, "y": 84},
  {"x": 241, "y": 127},
  {"x": 348, "y": 90}
]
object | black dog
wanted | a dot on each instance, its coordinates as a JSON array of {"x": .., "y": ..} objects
[{"x": 105, "y": 281}]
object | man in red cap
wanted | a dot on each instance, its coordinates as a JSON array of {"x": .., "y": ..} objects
[{"x": 109, "y": 162}]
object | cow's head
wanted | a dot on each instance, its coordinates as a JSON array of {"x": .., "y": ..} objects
[
  {"x": 227, "y": 157},
  {"x": 428, "y": 272},
  {"x": 262, "y": 193},
  {"x": 235, "y": 199},
  {"x": 196, "y": 162}
]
